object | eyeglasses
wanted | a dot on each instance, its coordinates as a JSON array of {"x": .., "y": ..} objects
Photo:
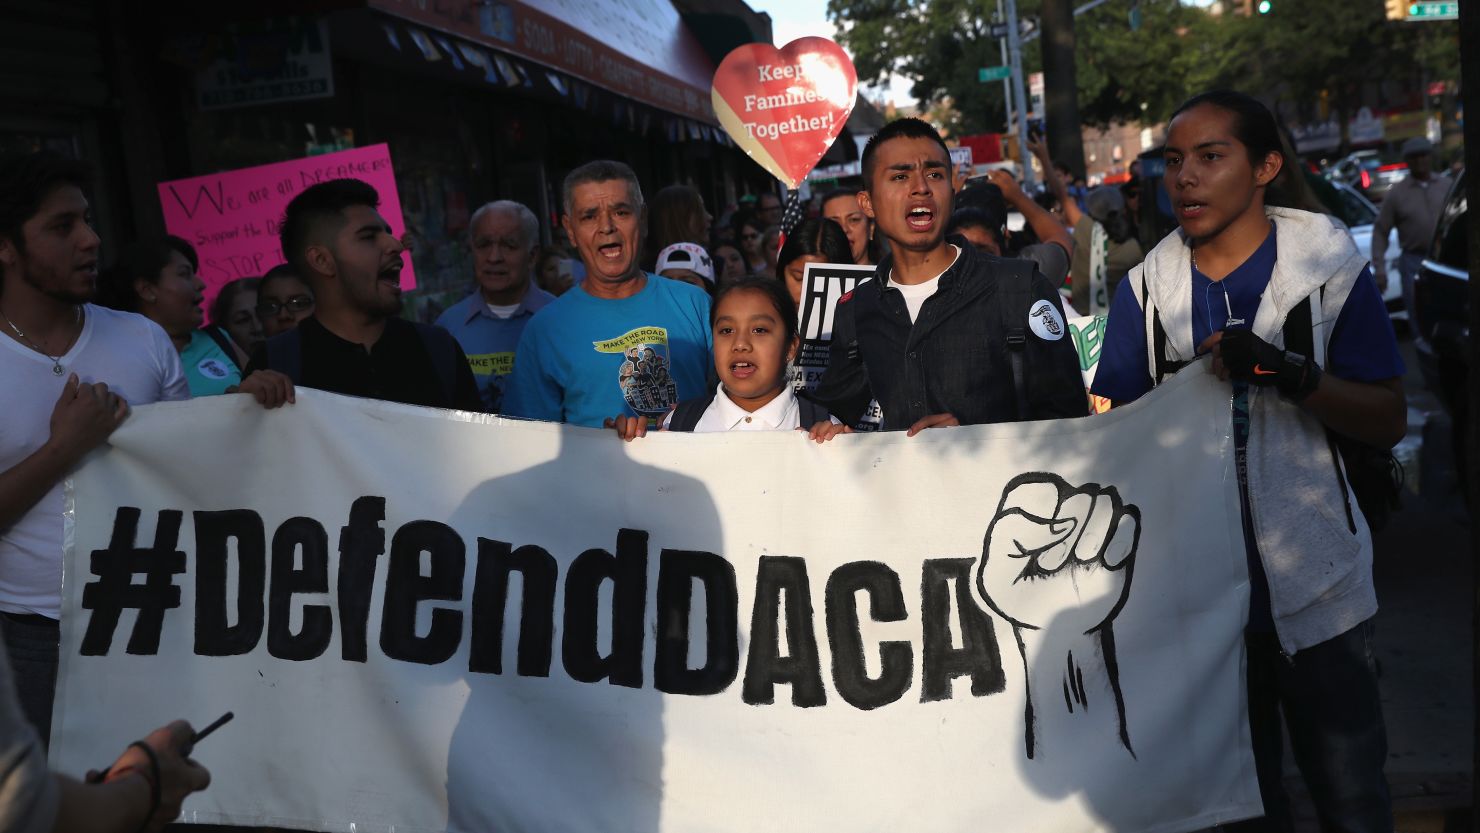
[{"x": 295, "y": 304}]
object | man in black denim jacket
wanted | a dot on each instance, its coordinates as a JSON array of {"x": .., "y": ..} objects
[{"x": 927, "y": 336}]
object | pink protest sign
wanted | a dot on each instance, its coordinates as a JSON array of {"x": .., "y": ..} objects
[{"x": 232, "y": 217}]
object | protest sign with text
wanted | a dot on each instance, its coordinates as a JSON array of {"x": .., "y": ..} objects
[
  {"x": 427, "y": 620},
  {"x": 822, "y": 285},
  {"x": 232, "y": 217},
  {"x": 1089, "y": 338},
  {"x": 784, "y": 107}
]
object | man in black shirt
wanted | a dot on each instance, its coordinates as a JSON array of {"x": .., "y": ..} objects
[
  {"x": 354, "y": 343},
  {"x": 942, "y": 335}
]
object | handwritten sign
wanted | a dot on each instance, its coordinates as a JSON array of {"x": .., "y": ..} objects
[
  {"x": 784, "y": 107},
  {"x": 232, "y": 217}
]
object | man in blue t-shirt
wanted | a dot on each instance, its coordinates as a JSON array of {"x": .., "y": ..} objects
[
  {"x": 624, "y": 341},
  {"x": 505, "y": 244},
  {"x": 1289, "y": 312}
]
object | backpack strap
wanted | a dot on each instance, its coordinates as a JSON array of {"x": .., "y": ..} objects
[
  {"x": 1163, "y": 367},
  {"x": 686, "y": 415},
  {"x": 1298, "y": 330},
  {"x": 439, "y": 345},
  {"x": 285, "y": 355},
  {"x": 1015, "y": 304},
  {"x": 223, "y": 341}
]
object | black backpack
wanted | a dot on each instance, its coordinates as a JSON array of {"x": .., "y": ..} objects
[
  {"x": 1374, "y": 475},
  {"x": 688, "y": 412},
  {"x": 1016, "y": 303}
]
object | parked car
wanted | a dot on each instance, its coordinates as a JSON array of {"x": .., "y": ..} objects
[
  {"x": 1359, "y": 215},
  {"x": 1441, "y": 322},
  {"x": 1366, "y": 171}
]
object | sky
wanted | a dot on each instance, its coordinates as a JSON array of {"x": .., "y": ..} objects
[{"x": 792, "y": 19}]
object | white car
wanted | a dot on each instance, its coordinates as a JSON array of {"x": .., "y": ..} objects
[{"x": 1358, "y": 213}]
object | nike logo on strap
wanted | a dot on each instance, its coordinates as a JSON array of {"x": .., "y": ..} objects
[{"x": 1259, "y": 371}]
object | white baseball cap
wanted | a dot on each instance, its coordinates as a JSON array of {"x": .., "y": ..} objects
[{"x": 687, "y": 256}]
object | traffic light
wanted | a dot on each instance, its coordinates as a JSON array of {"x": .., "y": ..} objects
[
  {"x": 1265, "y": 6},
  {"x": 1396, "y": 9}
]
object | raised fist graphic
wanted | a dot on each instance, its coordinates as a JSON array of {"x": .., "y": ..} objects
[{"x": 1057, "y": 565}]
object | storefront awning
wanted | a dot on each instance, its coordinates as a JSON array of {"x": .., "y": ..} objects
[{"x": 640, "y": 49}]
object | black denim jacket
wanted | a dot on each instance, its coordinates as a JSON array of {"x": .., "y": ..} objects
[{"x": 953, "y": 358}]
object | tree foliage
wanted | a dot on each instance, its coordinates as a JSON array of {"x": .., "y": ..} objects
[{"x": 1309, "y": 55}]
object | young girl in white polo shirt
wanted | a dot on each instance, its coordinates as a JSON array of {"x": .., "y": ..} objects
[{"x": 754, "y": 324}]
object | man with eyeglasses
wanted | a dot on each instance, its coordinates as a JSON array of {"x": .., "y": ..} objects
[
  {"x": 354, "y": 342},
  {"x": 768, "y": 209}
]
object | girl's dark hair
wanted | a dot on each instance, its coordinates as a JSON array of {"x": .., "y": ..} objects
[
  {"x": 282, "y": 271},
  {"x": 817, "y": 236},
  {"x": 673, "y": 214},
  {"x": 141, "y": 260},
  {"x": 221, "y": 306},
  {"x": 742, "y": 218},
  {"x": 774, "y": 290},
  {"x": 1257, "y": 130},
  {"x": 974, "y": 217}
]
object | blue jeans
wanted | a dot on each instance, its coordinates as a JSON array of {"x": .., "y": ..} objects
[
  {"x": 33, "y": 644},
  {"x": 1409, "y": 265},
  {"x": 1332, "y": 711}
]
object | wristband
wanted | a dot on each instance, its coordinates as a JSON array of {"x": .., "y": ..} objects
[{"x": 1304, "y": 383}]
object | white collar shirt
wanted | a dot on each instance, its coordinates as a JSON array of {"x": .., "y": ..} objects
[{"x": 780, "y": 414}]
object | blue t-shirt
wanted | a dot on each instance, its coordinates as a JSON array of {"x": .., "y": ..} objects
[
  {"x": 488, "y": 340},
  {"x": 1362, "y": 348},
  {"x": 584, "y": 359}
]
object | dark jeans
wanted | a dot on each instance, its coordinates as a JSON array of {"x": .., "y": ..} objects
[
  {"x": 33, "y": 644},
  {"x": 1328, "y": 694}
]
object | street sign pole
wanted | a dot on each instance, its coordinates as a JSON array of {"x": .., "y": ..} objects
[
  {"x": 1006, "y": 82},
  {"x": 1015, "y": 60}
]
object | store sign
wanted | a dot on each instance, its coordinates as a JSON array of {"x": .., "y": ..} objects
[
  {"x": 1317, "y": 136},
  {"x": 283, "y": 64},
  {"x": 1365, "y": 128},
  {"x": 639, "y": 49},
  {"x": 232, "y": 218},
  {"x": 784, "y": 107}
]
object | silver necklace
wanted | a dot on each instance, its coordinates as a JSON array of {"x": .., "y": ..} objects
[{"x": 56, "y": 361}]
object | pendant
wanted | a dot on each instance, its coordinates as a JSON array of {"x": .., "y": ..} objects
[{"x": 56, "y": 370}]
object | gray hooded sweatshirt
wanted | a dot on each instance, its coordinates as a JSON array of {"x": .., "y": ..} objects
[{"x": 1318, "y": 563}]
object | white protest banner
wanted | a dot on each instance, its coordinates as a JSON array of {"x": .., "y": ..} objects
[
  {"x": 427, "y": 620},
  {"x": 822, "y": 285}
]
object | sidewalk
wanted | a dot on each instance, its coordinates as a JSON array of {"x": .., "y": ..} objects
[{"x": 1425, "y": 591}]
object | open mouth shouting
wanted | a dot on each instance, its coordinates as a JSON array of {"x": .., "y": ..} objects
[
  {"x": 611, "y": 252},
  {"x": 390, "y": 273},
  {"x": 920, "y": 218}
]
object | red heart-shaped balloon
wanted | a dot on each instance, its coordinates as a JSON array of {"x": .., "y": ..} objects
[{"x": 784, "y": 107}]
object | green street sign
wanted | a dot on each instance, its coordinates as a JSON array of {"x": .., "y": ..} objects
[
  {"x": 1433, "y": 11},
  {"x": 986, "y": 74}
]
